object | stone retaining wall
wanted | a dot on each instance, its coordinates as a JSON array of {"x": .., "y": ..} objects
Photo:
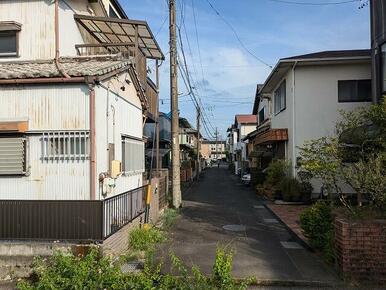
[{"x": 361, "y": 249}]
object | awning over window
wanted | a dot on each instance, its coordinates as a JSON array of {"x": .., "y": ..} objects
[
  {"x": 271, "y": 136},
  {"x": 13, "y": 126},
  {"x": 121, "y": 31}
]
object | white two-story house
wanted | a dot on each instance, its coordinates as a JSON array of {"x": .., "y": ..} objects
[{"x": 302, "y": 97}]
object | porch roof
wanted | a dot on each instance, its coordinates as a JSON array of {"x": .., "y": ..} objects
[
  {"x": 271, "y": 136},
  {"x": 117, "y": 31}
]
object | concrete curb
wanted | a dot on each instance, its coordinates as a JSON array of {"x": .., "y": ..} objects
[
  {"x": 293, "y": 233},
  {"x": 291, "y": 283}
]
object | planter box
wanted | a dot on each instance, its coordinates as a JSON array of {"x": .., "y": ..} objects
[{"x": 361, "y": 249}]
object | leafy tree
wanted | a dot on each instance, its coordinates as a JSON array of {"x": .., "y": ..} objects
[{"x": 356, "y": 156}]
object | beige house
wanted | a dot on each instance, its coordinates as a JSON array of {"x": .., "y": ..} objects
[{"x": 213, "y": 150}]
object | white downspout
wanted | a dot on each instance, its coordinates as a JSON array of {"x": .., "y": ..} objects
[{"x": 293, "y": 163}]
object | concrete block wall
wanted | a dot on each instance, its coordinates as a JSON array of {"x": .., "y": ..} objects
[
  {"x": 16, "y": 257},
  {"x": 361, "y": 249}
]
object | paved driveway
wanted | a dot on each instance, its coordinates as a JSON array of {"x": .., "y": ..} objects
[{"x": 264, "y": 249}]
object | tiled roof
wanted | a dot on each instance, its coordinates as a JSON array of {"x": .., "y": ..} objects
[
  {"x": 74, "y": 67},
  {"x": 246, "y": 119},
  {"x": 333, "y": 54}
]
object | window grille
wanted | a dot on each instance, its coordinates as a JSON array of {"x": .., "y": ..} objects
[
  {"x": 65, "y": 145},
  {"x": 133, "y": 155},
  {"x": 12, "y": 155}
]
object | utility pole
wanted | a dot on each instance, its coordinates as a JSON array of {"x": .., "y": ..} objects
[
  {"x": 198, "y": 143},
  {"x": 176, "y": 185},
  {"x": 216, "y": 145}
]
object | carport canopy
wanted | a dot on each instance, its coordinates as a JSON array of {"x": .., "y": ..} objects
[{"x": 121, "y": 31}]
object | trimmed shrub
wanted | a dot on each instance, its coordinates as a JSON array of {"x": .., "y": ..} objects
[
  {"x": 257, "y": 177},
  {"x": 290, "y": 189},
  {"x": 317, "y": 225},
  {"x": 276, "y": 171}
]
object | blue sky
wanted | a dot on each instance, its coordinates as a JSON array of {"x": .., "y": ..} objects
[{"x": 227, "y": 79}]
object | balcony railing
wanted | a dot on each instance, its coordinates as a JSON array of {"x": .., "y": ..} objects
[{"x": 69, "y": 220}]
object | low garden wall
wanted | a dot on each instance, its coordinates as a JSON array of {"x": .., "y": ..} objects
[{"x": 361, "y": 249}]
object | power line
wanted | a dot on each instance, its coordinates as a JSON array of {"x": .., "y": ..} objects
[
  {"x": 237, "y": 36},
  {"x": 315, "y": 3},
  {"x": 187, "y": 78},
  {"x": 204, "y": 114}
]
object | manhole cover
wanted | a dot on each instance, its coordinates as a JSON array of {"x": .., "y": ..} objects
[
  {"x": 132, "y": 267},
  {"x": 271, "y": 221},
  {"x": 259, "y": 206},
  {"x": 291, "y": 245},
  {"x": 234, "y": 228}
]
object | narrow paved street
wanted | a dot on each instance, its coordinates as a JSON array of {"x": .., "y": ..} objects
[{"x": 264, "y": 249}]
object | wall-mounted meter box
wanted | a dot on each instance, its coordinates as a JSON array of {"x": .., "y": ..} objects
[{"x": 116, "y": 168}]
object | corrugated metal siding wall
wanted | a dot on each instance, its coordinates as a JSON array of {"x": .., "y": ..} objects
[
  {"x": 48, "y": 108},
  {"x": 37, "y": 38},
  {"x": 128, "y": 122}
]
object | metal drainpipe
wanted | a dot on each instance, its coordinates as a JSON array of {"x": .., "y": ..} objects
[
  {"x": 92, "y": 143},
  {"x": 57, "y": 49},
  {"x": 293, "y": 122}
]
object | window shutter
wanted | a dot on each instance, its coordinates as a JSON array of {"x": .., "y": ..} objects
[{"x": 12, "y": 156}]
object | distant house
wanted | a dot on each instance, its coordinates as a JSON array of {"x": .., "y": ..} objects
[
  {"x": 188, "y": 140},
  {"x": 213, "y": 150},
  {"x": 242, "y": 126},
  {"x": 301, "y": 99},
  {"x": 164, "y": 141}
]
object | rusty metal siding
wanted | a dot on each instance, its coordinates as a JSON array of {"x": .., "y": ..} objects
[
  {"x": 47, "y": 107},
  {"x": 36, "y": 38},
  {"x": 37, "y": 35},
  {"x": 47, "y": 179}
]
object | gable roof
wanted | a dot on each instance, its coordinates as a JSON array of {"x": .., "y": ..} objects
[
  {"x": 246, "y": 119},
  {"x": 74, "y": 67},
  {"x": 332, "y": 54},
  {"x": 257, "y": 99},
  {"x": 317, "y": 58},
  {"x": 78, "y": 68}
]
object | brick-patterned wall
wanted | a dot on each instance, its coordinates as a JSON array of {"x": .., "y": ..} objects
[
  {"x": 361, "y": 249},
  {"x": 118, "y": 242}
]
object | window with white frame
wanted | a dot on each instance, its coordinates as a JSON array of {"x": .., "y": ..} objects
[
  {"x": 65, "y": 145},
  {"x": 13, "y": 155},
  {"x": 280, "y": 98},
  {"x": 9, "y": 38},
  {"x": 133, "y": 155}
]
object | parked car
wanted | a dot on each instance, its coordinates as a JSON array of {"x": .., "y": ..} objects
[{"x": 246, "y": 179}]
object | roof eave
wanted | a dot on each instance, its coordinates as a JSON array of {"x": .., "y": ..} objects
[{"x": 291, "y": 62}]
